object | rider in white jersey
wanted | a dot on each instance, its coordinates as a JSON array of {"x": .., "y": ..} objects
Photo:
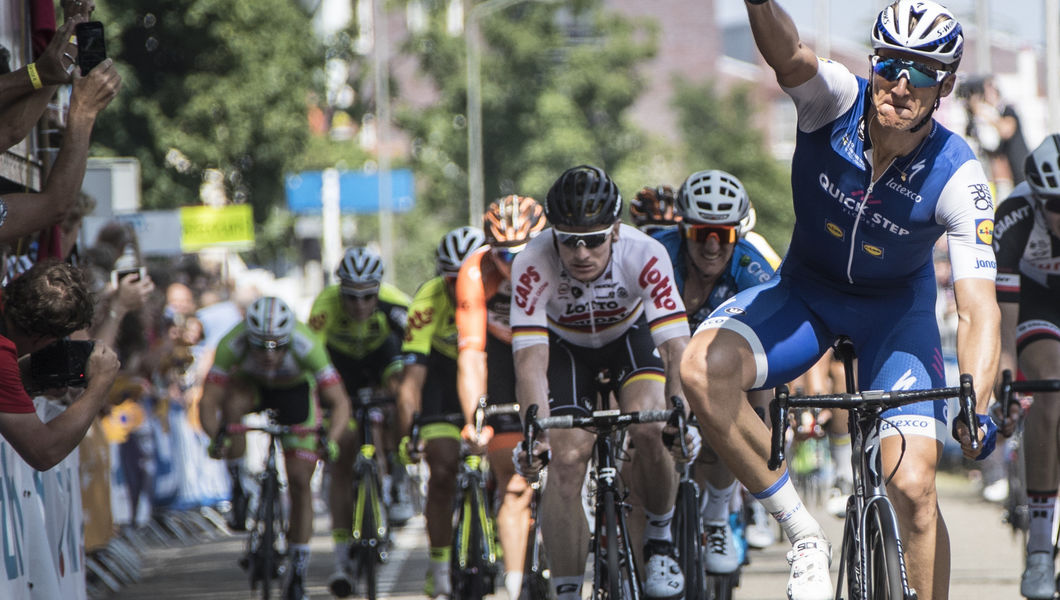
[
  {"x": 593, "y": 295},
  {"x": 875, "y": 182}
]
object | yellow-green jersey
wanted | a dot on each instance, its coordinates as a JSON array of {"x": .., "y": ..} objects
[
  {"x": 432, "y": 322},
  {"x": 358, "y": 339}
]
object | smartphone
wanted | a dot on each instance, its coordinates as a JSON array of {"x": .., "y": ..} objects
[
  {"x": 90, "y": 48},
  {"x": 61, "y": 364},
  {"x": 138, "y": 272}
]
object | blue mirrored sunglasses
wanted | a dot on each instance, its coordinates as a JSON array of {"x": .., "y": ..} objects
[{"x": 919, "y": 75}]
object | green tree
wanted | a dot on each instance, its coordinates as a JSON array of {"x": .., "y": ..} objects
[
  {"x": 556, "y": 82},
  {"x": 719, "y": 134},
  {"x": 210, "y": 84}
]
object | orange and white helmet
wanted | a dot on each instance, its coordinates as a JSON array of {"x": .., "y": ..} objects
[
  {"x": 654, "y": 206},
  {"x": 512, "y": 221}
]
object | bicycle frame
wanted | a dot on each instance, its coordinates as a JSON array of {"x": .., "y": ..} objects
[{"x": 266, "y": 545}]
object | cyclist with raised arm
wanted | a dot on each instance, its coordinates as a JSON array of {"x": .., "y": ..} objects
[
  {"x": 875, "y": 181},
  {"x": 429, "y": 387},
  {"x": 1027, "y": 243},
  {"x": 271, "y": 361},
  {"x": 593, "y": 294},
  {"x": 362, "y": 323},
  {"x": 713, "y": 260},
  {"x": 485, "y": 366}
]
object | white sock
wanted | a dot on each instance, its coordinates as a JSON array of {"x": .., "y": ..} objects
[
  {"x": 1042, "y": 507},
  {"x": 513, "y": 582},
  {"x": 657, "y": 527},
  {"x": 784, "y": 503},
  {"x": 716, "y": 502},
  {"x": 568, "y": 588}
]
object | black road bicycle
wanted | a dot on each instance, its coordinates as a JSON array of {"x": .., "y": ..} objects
[
  {"x": 370, "y": 535},
  {"x": 615, "y": 575},
  {"x": 872, "y": 564},
  {"x": 537, "y": 578},
  {"x": 1017, "y": 514},
  {"x": 266, "y": 547}
]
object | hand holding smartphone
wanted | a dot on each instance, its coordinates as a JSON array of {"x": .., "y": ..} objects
[{"x": 90, "y": 47}]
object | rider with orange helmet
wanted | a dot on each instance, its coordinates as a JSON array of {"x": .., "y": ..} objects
[
  {"x": 483, "y": 297},
  {"x": 654, "y": 209}
]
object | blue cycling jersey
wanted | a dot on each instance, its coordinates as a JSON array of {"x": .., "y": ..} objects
[
  {"x": 854, "y": 227},
  {"x": 860, "y": 259},
  {"x": 747, "y": 267}
]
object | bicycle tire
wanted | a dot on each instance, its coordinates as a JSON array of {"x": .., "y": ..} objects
[
  {"x": 687, "y": 531},
  {"x": 268, "y": 535},
  {"x": 720, "y": 587},
  {"x": 368, "y": 557},
  {"x": 886, "y": 576},
  {"x": 535, "y": 565},
  {"x": 614, "y": 581},
  {"x": 467, "y": 572}
]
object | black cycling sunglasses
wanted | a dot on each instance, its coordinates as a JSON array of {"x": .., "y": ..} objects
[
  {"x": 593, "y": 239},
  {"x": 1052, "y": 204},
  {"x": 918, "y": 74}
]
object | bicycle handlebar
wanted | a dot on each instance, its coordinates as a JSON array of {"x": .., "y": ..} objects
[
  {"x": 273, "y": 429},
  {"x": 871, "y": 400},
  {"x": 607, "y": 418},
  {"x": 1008, "y": 386}
]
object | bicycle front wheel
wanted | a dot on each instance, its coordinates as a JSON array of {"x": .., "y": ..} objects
[
  {"x": 468, "y": 574},
  {"x": 266, "y": 553},
  {"x": 886, "y": 565},
  {"x": 687, "y": 532}
]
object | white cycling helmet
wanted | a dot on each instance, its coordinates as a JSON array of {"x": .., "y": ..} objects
[
  {"x": 360, "y": 267},
  {"x": 1042, "y": 168},
  {"x": 455, "y": 246},
  {"x": 716, "y": 198},
  {"x": 920, "y": 27},
  {"x": 270, "y": 323}
]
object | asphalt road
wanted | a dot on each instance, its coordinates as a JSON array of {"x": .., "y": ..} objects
[{"x": 987, "y": 560}]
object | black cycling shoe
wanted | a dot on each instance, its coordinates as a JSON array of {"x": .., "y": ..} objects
[{"x": 237, "y": 515}]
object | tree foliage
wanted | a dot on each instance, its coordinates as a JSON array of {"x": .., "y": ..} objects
[
  {"x": 719, "y": 133},
  {"x": 556, "y": 82},
  {"x": 209, "y": 84}
]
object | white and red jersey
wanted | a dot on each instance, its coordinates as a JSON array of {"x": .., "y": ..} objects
[{"x": 638, "y": 280}]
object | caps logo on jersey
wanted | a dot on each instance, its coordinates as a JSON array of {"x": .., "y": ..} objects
[
  {"x": 835, "y": 230},
  {"x": 984, "y": 231}
]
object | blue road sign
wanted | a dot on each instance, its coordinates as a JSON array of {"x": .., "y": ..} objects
[{"x": 358, "y": 191}]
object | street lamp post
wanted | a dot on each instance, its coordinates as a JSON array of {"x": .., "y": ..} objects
[{"x": 476, "y": 203}]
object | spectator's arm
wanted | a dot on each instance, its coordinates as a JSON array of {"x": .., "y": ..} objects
[
  {"x": 21, "y": 100},
  {"x": 43, "y": 445},
  {"x": 27, "y": 213}
]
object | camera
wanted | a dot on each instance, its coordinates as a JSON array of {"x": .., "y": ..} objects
[
  {"x": 119, "y": 274},
  {"x": 90, "y": 48},
  {"x": 62, "y": 364}
]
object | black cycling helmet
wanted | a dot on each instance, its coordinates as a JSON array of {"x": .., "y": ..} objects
[{"x": 583, "y": 196}]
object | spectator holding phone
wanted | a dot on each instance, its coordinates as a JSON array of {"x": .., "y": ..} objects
[
  {"x": 25, "y": 213},
  {"x": 45, "y": 304}
]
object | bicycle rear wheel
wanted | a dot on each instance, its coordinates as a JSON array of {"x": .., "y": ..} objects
[
  {"x": 687, "y": 533},
  {"x": 886, "y": 575}
]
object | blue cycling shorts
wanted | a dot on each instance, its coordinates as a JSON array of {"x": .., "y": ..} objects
[{"x": 790, "y": 322}]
